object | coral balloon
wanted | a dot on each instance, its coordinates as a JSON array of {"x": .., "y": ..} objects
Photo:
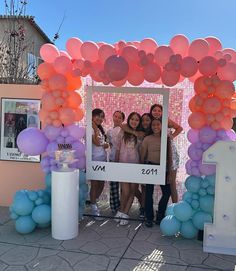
[
  {"x": 74, "y": 82},
  {"x": 135, "y": 76},
  {"x": 57, "y": 82},
  {"x": 32, "y": 141},
  {"x": 89, "y": 51},
  {"x": 49, "y": 102},
  {"x": 105, "y": 51},
  {"x": 228, "y": 72},
  {"x": 130, "y": 53},
  {"x": 119, "y": 83},
  {"x": 45, "y": 70},
  {"x": 49, "y": 52},
  {"x": 198, "y": 49},
  {"x": 212, "y": 105},
  {"x": 79, "y": 114},
  {"x": 180, "y": 44},
  {"x": 214, "y": 45},
  {"x": 62, "y": 65},
  {"x": 162, "y": 55},
  {"x": 73, "y": 47},
  {"x": 225, "y": 89},
  {"x": 116, "y": 67},
  {"x": 67, "y": 116},
  {"x": 95, "y": 71},
  {"x": 170, "y": 78},
  {"x": 208, "y": 66},
  {"x": 74, "y": 100},
  {"x": 148, "y": 45},
  {"x": 189, "y": 66},
  {"x": 196, "y": 120},
  {"x": 231, "y": 52},
  {"x": 152, "y": 72}
]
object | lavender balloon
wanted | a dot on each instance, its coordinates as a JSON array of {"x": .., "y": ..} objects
[
  {"x": 32, "y": 141},
  {"x": 52, "y": 132},
  {"x": 76, "y": 131},
  {"x": 194, "y": 153},
  {"x": 193, "y": 135},
  {"x": 207, "y": 135}
]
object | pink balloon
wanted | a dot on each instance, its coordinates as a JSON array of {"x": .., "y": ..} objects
[
  {"x": 135, "y": 76},
  {"x": 57, "y": 82},
  {"x": 232, "y": 52},
  {"x": 189, "y": 66},
  {"x": 196, "y": 120},
  {"x": 152, "y": 72},
  {"x": 96, "y": 70},
  {"x": 170, "y": 78},
  {"x": 208, "y": 66},
  {"x": 73, "y": 47},
  {"x": 214, "y": 45},
  {"x": 228, "y": 72},
  {"x": 105, "y": 51},
  {"x": 148, "y": 45},
  {"x": 225, "y": 89},
  {"x": 49, "y": 102},
  {"x": 89, "y": 51},
  {"x": 116, "y": 67},
  {"x": 64, "y": 53},
  {"x": 49, "y": 52},
  {"x": 162, "y": 55},
  {"x": 212, "y": 105},
  {"x": 180, "y": 44},
  {"x": 62, "y": 65},
  {"x": 119, "y": 83},
  {"x": 198, "y": 49},
  {"x": 45, "y": 70},
  {"x": 130, "y": 53}
]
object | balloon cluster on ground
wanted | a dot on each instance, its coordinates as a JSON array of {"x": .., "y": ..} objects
[
  {"x": 134, "y": 62},
  {"x": 187, "y": 217},
  {"x": 32, "y": 209}
]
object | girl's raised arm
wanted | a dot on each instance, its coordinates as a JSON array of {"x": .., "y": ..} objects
[{"x": 178, "y": 129}]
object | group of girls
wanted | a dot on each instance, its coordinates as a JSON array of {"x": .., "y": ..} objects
[{"x": 136, "y": 141}]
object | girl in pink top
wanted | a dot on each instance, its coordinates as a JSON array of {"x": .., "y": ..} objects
[{"x": 128, "y": 152}]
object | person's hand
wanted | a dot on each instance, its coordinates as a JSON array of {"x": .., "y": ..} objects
[
  {"x": 171, "y": 136},
  {"x": 94, "y": 126},
  {"x": 139, "y": 134}
]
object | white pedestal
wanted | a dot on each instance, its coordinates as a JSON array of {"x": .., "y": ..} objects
[{"x": 65, "y": 204}]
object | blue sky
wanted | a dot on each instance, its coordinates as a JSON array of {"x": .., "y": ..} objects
[{"x": 111, "y": 21}]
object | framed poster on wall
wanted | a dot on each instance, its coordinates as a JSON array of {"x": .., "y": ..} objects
[{"x": 17, "y": 115}]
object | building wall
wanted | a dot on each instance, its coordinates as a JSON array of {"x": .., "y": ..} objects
[{"x": 19, "y": 175}]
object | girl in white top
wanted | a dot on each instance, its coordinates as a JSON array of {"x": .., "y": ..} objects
[
  {"x": 112, "y": 137},
  {"x": 98, "y": 154}
]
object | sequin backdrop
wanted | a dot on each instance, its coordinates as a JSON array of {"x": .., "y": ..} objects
[{"x": 178, "y": 111}]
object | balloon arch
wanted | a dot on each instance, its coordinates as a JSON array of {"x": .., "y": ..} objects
[{"x": 204, "y": 62}]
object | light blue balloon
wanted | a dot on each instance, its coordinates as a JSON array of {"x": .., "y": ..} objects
[
  {"x": 48, "y": 180},
  {"x": 84, "y": 188},
  {"x": 188, "y": 230},
  {"x": 38, "y": 201},
  {"x": 202, "y": 192},
  {"x": 25, "y": 224},
  {"x": 13, "y": 215},
  {"x": 207, "y": 203},
  {"x": 187, "y": 195},
  {"x": 42, "y": 214},
  {"x": 183, "y": 211},
  {"x": 195, "y": 204},
  {"x": 47, "y": 198},
  {"x": 211, "y": 190},
  {"x": 193, "y": 183},
  {"x": 195, "y": 196},
  {"x": 22, "y": 205},
  {"x": 40, "y": 193},
  {"x": 170, "y": 209},
  {"x": 211, "y": 179},
  {"x": 170, "y": 225},
  {"x": 200, "y": 218},
  {"x": 32, "y": 195},
  {"x": 205, "y": 183}
]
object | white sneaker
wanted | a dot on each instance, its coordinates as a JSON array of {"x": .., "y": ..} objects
[
  {"x": 124, "y": 222},
  {"x": 118, "y": 216},
  {"x": 95, "y": 212}
]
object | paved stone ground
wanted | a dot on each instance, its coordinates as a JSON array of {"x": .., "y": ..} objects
[{"x": 104, "y": 245}]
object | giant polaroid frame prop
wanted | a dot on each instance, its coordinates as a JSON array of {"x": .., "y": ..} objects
[{"x": 125, "y": 172}]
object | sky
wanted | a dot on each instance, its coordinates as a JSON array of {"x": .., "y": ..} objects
[{"x": 110, "y": 21}]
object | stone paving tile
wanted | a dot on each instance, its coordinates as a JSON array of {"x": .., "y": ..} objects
[
  {"x": 181, "y": 243},
  {"x": 97, "y": 263},
  {"x": 4, "y": 215},
  {"x": 137, "y": 265},
  {"x": 3, "y": 266},
  {"x": 193, "y": 256},
  {"x": 216, "y": 262},
  {"x": 8, "y": 234},
  {"x": 20, "y": 255},
  {"x": 5, "y": 247},
  {"x": 16, "y": 268}
]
